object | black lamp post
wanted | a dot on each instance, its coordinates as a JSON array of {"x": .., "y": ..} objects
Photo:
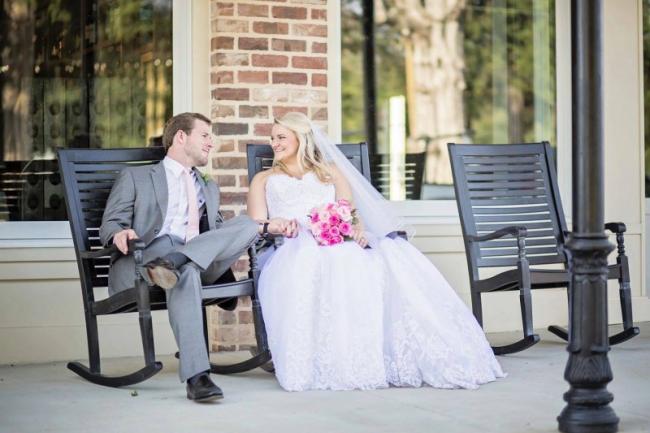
[{"x": 588, "y": 370}]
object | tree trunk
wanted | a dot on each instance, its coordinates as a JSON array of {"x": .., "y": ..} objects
[{"x": 435, "y": 80}]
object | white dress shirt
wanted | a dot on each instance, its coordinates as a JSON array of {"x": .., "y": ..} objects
[{"x": 176, "y": 216}]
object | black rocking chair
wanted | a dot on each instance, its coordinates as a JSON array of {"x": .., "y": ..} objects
[
  {"x": 88, "y": 176},
  {"x": 260, "y": 157},
  {"x": 511, "y": 216}
]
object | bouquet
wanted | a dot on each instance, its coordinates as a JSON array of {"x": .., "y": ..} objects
[{"x": 332, "y": 223}]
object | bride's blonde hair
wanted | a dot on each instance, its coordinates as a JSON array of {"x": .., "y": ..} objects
[{"x": 309, "y": 157}]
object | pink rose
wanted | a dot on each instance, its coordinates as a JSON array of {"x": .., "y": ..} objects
[
  {"x": 314, "y": 217},
  {"x": 334, "y": 232},
  {"x": 345, "y": 213},
  {"x": 334, "y": 220},
  {"x": 345, "y": 229}
]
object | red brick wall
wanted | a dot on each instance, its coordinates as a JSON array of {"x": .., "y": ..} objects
[{"x": 267, "y": 58}]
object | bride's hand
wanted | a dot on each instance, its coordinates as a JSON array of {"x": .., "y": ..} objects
[{"x": 359, "y": 237}]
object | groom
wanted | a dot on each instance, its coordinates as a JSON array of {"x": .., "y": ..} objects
[{"x": 172, "y": 208}]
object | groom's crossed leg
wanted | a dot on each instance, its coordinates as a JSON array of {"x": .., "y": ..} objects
[{"x": 204, "y": 259}]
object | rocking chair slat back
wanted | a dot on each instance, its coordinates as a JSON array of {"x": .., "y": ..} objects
[
  {"x": 504, "y": 185},
  {"x": 88, "y": 176},
  {"x": 260, "y": 157}
]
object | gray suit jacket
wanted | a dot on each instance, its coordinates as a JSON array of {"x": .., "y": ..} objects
[{"x": 138, "y": 201}]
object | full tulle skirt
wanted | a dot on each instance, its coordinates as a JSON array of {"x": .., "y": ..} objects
[{"x": 342, "y": 317}]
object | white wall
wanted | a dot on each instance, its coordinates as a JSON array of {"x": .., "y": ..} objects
[
  {"x": 41, "y": 312},
  {"x": 624, "y": 146}
]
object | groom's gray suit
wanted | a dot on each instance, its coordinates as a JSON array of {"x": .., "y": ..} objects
[{"x": 138, "y": 201}]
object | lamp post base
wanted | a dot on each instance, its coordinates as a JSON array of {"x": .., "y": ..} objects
[
  {"x": 588, "y": 411},
  {"x": 585, "y": 420},
  {"x": 588, "y": 370}
]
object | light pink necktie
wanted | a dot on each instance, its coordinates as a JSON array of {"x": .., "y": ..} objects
[{"x": 192, "y": 207}]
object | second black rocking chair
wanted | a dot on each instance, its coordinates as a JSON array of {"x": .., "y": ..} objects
[{"x": 511, "y": 216}]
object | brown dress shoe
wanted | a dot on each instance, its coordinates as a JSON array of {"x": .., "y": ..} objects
[{"x": 162, "y": 273}]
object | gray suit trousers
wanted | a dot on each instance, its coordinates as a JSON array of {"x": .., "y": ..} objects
[{"x": 211, "y": 254}]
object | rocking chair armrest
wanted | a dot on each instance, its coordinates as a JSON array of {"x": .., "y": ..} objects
[
  {"x": 398, "y": 234},
  {"x": 616, "y": 227},
  {"x": 260, "y": 244},
  {"x": 95, "y": 254},
  {"x": 516, "y": 231},
  {"x": 253, "y": 250},
  {"x": 134, "y": 244},
  {"x": 278, "y": 240},
  {"x": 136, "y": 247},
  {"x": 269, "y": 239}
]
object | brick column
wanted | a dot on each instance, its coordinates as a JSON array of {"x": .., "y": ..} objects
[{"x": 267, "y": 58}]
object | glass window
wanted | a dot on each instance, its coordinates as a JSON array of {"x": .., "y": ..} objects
[
  {"x": 84, "y": 73},
  {"x": 464, "y": 71}
]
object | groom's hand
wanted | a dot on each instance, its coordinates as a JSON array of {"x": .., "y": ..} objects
[
  {"x": 121, "y": 240},
  {"x": 284, "y": 227},
  {"x": 291, "y": 230}
]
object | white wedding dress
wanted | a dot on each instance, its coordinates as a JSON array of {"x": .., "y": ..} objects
[{"x": 341, "y": 317}]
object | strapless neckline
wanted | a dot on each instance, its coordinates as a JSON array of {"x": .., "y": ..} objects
[
  {"x": 290, "y": 197},
  {"x": 298, "y": 179}
]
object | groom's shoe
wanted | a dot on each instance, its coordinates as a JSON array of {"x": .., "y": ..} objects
[
  {"x": 201, "y": 388},
  {"x": 162, "y": 273}
]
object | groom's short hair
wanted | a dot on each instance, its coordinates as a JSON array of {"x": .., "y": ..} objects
[{"x": 182, "y": 121}]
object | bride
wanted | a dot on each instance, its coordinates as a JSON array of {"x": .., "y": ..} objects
[{"x": 343, "y": 316}]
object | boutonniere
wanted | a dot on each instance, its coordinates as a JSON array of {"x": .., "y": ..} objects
[{"x": 206, "y": 177}]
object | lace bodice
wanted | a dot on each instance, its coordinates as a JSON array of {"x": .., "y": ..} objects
[{"x": 289, "y": 197}]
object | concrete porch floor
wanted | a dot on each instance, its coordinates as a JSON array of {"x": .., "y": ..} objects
[{"x": 50, "y": 398}]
